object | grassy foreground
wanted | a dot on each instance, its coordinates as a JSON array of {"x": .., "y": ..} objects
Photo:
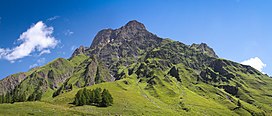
[{"x": 130, "y": 98}]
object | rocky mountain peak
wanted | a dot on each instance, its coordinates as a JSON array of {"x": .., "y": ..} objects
[
  {"x": 204, "y": 48},
  {"x": 101, "y": 38},
  {"x": 79, "y": 50},
  {"x": 132, "y": 30},
  {"x": 135, "y": 25}
]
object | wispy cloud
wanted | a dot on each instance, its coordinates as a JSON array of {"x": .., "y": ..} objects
[
  {"x": 73, "y": 48},
  {"x": 68, "y": 32},
  {"x": 45, "y": 52},
  {"x": 38, "y": 38},
  {"x": 53, "y": 18},
  {"x": 39, "y": 62},
  {"x": 255, "y": 63}
]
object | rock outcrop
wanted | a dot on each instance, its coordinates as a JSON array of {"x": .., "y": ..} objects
[
  {"x": 204, "y": 48},
  {"x": 9, "y": 83}
]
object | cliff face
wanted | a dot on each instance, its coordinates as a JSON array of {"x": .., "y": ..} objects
[
  {"x": 9, "y": 83},
  {"x": 121, "y": 46},
  {"x": 204, "y": 48}
]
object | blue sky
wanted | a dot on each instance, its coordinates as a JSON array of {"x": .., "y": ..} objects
[{"x": 237, "y": 30}]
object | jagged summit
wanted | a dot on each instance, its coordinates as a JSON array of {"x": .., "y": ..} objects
[
  {"x": 128, "y": 41},
  {"x": 134, "y": 24},
  {"x": 204, "y": 48},
  {"x": 127, "y": 32},
  {"x": 79, "y": 50}
]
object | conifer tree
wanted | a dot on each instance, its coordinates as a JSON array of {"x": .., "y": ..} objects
[
  {"x": 92, "y": 97},
  {"x": 106, "y": 98},
  {"x": 97, "y": 96},
  {"x": 97, "y": 78},
  {"x": 76, "y": 102},
  {"x": 86, "y": 94},
  {"x": 8, "y": 98},
  {"x": 1, "y": 100},
  {"x": 22, "y": 97}
]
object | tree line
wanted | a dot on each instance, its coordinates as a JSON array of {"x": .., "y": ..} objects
[
  {"x": 12, "y": 97},
  {"x": 95, "y": 97}
]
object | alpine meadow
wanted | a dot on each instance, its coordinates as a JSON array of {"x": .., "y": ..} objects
[{"x": 145, "y": 75}]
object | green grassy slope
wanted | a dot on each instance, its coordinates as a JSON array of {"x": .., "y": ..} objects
[
  {"x": 171, "y": 79},
  {"x": 159, "y": 95},
  {"x": 129, "y": 99}
]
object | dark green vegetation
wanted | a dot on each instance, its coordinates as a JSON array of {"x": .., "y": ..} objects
[
  {"x": 145, "y": 74},
  {"x": 95, "y": 97}
]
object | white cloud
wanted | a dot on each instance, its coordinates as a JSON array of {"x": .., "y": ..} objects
[
  {"x": 39, "y": 62},
  {"x": 38, "y": 38},
  {"x": 2, "y": 52},
  {"x": 33, "y": 65},
  {"x": 45, "y": 52},
  {"x": 68, "y": 32},
  {"x": 53, "y": 18},
  {"x": 255, "y": 63}
]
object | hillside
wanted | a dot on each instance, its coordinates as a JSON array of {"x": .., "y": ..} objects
[{"x": 146, "y": 75}]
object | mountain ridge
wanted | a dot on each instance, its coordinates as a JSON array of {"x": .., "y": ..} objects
[{"x": 158, "y": 71}]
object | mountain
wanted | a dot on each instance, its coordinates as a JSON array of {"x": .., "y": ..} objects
[{"x": 146, "y": 75}]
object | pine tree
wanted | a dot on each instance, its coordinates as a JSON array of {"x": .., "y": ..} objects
[
  {"x": 8, "y": 98},
  {"x": 38, "y": 96},
  {"x": 92, "y": 97},
  {"x": 22, "y": 98},
  {"x": 77, "y": 102},
  {"x": 16, "y": 97},
  {"x": 80, "y": 98},
  {"x": 31, "y": 97},
  {"x": 107, "y": 99},
  {"x": 97, "y": 96},
  {"x": 86, "y": 94},
  {"x": 98, "y": 78},
  {"x": 56, "y": 93},
  {"x": 1, "y": 100}
]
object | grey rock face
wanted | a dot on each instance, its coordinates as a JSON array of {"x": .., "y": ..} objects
[
  {"x": 204, "y": 48},
  {"x": 122, "y": 46},
  {"x": 79, "y": 50},
  {"x": 10, "y": 82}
]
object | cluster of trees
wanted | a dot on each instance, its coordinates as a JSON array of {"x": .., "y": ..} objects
[
  {"x": 9, "y": 98},
  {"x": 12, "y": 97},
  {"x": 95, "y": 97},
  {"x": 6, "y": 98},
  {"x": 36, "y": 96},
  {"x": 64, "y": 87}
]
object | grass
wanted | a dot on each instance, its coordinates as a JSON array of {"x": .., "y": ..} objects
[
  {"x": 132, "y": 97},
  {"x": 37, "y": 109}
]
